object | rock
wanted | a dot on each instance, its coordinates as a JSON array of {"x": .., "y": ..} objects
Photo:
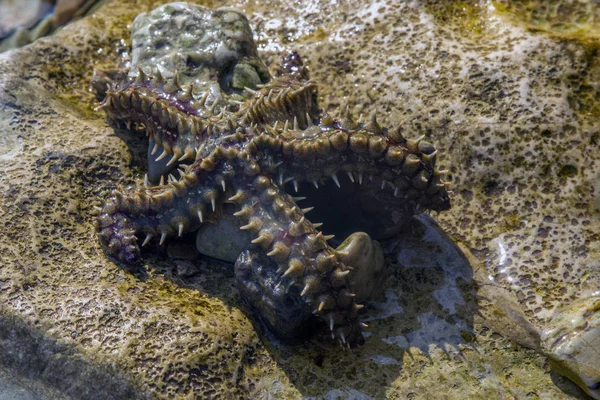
[
  {"x": 186, "y": 269},
  {"x": 210, "y": 43},
  {"x": 222, "y": 240},
  {"x": 499, "y": 310},
  {"x": 513, "y": 111},
  {"x": 365, "y": 256},
  {"x": 22, "y": 22},
  {"x": 575, "y": 20},
  {"x": 18, "y": 14}
]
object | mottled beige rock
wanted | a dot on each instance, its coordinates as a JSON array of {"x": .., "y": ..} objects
[{"x": 514, "y": 114}]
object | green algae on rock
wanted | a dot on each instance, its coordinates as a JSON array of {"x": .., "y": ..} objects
[{"x": 573, "y": 19}]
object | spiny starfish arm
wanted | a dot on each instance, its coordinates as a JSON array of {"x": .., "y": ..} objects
[
  {"x": 175, "y": 133},
  {"x": 323, "y": 153},
  {"x": 174, "y": 119},
  {"x": 167, "y": 210},
  {"x": 285, "y": 98},
  {"x": 304, "y": 258}
]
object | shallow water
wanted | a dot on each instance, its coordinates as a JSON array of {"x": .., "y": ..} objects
[{"x": 15, "y": 389}]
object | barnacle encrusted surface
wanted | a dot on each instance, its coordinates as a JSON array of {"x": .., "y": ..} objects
[
  {"x": 514, "y": 113},
  {"x": 204, "y": 46},
  {"x": 245, "y": 154}
]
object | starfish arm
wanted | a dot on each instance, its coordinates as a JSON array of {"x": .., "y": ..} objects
[
  {"x": 176, "y": 135},
  {"x": 322, "y": 153},
  {"x": 301, "y": 253},
  {"x": 164, "y": 211},
  {"x": 176, "y": 121},
  {"x": 286, "y": 98}
]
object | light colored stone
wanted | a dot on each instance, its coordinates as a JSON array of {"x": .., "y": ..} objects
[
  {"x": 222, "y": 240},
  {"x": 572, "y": 341},
  {"x": 16, "y": 14}
]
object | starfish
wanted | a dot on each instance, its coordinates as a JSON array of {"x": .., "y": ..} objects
[{"x": 247, "y": 156}]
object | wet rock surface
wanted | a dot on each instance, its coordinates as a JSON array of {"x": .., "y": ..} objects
[
  {"x": 513, "y": 111},
  {"x": 208, "y": 47},
  {"x": 22, "y": 22},
  {"x": 571, "y": 340}
]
